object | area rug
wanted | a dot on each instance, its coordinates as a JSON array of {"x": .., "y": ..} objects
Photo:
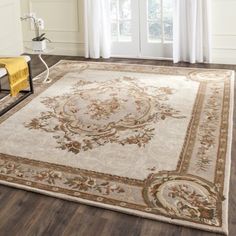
[{"x": 144, "y": 140}]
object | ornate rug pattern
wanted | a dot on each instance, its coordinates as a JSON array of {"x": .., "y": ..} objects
[{"x": 144, "y": 140}]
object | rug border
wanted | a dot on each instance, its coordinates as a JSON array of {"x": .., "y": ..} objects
[
  {"x": 223, "y": 229},
  {"x": 143, "y": 65},
  {"x": 225, "y": 204},
  {"x": 118, "y": 209}
]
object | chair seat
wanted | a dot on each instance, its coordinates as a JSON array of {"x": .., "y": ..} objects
[{"x": 3, "y": 71}]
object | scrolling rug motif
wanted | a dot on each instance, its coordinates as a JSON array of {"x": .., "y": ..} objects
[{"x": 144, "y": 140}]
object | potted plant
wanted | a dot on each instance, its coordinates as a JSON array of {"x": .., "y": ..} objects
[{"x": 39, "y": 43}]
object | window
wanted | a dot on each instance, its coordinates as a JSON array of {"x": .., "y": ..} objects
[
  {"x": 121, "y": 20},
  {"x": 142, "y": 28},
  {"x": 160, "y": 20}
]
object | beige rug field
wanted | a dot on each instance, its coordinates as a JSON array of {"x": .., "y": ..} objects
[{"x": 144, "y": 140}]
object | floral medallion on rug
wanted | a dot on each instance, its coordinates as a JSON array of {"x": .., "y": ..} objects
[{"x": 144, "y": 140}]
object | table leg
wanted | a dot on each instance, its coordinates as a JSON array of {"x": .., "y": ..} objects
[{"x": 46, "y": 80}]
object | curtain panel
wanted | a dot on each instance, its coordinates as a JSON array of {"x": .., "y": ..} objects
[
  {"x": 192, "y": 31},
  {"x": 97, "y": 28}
]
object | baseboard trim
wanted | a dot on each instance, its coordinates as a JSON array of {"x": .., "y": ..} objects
[
  {"x": 219, "y": 55},
  {"x": 224, "y": 56}
]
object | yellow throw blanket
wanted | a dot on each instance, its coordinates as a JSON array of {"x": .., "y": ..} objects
[{"x": 18, "y": 73}]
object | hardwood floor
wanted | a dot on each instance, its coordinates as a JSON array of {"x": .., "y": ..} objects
[{"x": 25, "y": 213}]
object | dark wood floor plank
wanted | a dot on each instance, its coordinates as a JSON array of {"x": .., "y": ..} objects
[
  {"x": 57, "y": 219},
  {"x": 40, "y": 216},
  {"x": 24, "y": 213},
  {"x": 11, "y": 220}
]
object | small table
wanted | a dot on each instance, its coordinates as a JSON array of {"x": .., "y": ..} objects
[{"x": 40, "y": 53}]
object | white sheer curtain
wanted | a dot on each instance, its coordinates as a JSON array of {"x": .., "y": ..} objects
[
  {"x": 97, "y": 28},
  {"x": 192, "y": 31}
]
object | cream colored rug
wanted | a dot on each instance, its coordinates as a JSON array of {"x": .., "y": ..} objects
[{"x": 144, "y": 140}]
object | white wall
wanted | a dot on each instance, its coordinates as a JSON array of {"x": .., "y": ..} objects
[
  {"x": 10, "y": 28},
  {"x": 63, "y": 24},
  {"x": 224, "y": 31}
]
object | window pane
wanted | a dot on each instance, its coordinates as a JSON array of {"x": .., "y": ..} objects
[
  {"x": 125, "y": 9},
  {"x": 168, "y": 20},
  {"x": 154, "y": 9},
  {"x": 114, "y": 31},
  {"x": 168, "y": 6},
  {"x": 154, "y": 31},
  {"x": 113, "y": 9},
  {"x": 168, "y": 30},
  {"x": 125, "y": 31}
]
